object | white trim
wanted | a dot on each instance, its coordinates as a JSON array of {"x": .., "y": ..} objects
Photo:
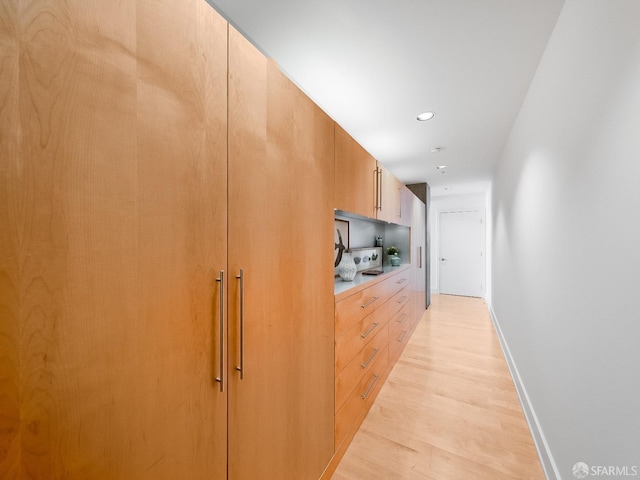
[{"x": 544, "y": 452}]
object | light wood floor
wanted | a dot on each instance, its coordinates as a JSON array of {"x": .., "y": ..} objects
[{"x": 448, "y": 410}]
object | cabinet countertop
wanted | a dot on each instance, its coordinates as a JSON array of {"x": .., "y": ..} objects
[{"x": 342, "y": 289}]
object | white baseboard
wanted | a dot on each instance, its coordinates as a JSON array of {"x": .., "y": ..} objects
[{"x": 546, "y": 459}]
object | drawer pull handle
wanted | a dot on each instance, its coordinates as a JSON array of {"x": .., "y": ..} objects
[
  {"x": 373, "y": 382},
  {"x": 373, "y": 327},
  {"x": 404, "y": 334},
  {"x": 375, "y": 352},
  {"x": 402, "y": 299},
  {"x": 370, "y": 302},
  {"x": 402, "y": 280},
  {"x": 402, "y": 318}
]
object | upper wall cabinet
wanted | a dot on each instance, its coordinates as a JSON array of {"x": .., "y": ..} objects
[
  {"x": 388, "y": 188},
  {"x": 366, "y": 187},
  {"x": 355, "y": 176}
]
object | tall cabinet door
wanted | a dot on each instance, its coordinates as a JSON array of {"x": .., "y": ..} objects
[
  {"x": 182, "y": 230},
  {"x": 280, "y": 264},
  {"x": 113, "y": 213},
  {"x": 419, "y": 263}
]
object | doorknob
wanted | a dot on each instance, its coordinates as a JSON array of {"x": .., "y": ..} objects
[{"x": 443, "y": 259}]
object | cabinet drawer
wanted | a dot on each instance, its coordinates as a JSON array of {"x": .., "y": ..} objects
[
  {"x": 399, "y": 331},
  {"x": 399, "y": 300},
  {"x": 354, "y": 308},
  {"x": 351, "y": 342},
  {"x": 361, "y": 397},
  {"x": 359, "y": 366},
  {"x": 396, "y": 283}
]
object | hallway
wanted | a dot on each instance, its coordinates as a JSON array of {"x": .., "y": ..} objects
[{"x": 449, "y": 409}]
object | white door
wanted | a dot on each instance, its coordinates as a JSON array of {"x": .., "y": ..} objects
[{"x": 461, "y": 259}]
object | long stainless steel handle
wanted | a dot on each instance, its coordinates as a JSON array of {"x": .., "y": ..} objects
[
  {"x": 380, "y": 188},
  {"x": 366, "y": 334},
  {"x": 402, "y": 299},
  {"x": 402, "y": 280},
  {"x": 373, "y": 382},
  {"x": 376, "y": 186},
  {"x": 240, "y": 368},
  {"x": 404, "y": 334},
  {"x": 375, "y": 352},
  {"x": 402, "y": 318},
  {"x": 420, "y": 256},
  {"x": 220, "y": 378},
  {"x": 369, "y": 302}
]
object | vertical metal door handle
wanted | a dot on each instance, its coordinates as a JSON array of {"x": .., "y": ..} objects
[
  {"x": 240, "y": 368},
  {"x": 420, "y": 256},
  {"x": 375, "y": 182},
  {"x": 220, "y": 378},
  {"x": 380, "y": 189}
]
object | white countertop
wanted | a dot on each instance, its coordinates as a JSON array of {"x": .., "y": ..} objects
[{"x": 340, "y": 286}]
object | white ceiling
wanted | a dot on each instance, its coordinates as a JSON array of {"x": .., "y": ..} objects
[{"x": 373, "y": 65}]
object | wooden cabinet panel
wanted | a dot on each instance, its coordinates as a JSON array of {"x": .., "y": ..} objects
[
  {"x": 399, "y": 300},
  {"x": 360, "y": 365},
  {"x": 361, "y": 398},
  {"x": 116, "y": 209},
  {"x": 389, "y": 196},
  {"x": 357, "y": 306},
  {"x": 355, "y": 176},
  {"x": 399, "y": 281},
  {"x": 13, "y": 185},
  {"x": 352, "y": 341},
  {"x": 281, "y": 174},
  {"x": 399, "y": 331}
]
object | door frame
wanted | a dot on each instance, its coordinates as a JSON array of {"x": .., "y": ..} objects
[{"x": 483, "y": 218}]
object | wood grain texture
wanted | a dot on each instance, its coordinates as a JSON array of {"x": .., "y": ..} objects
[
  {"x": 182, "y": 177},
  {"x": 389, "y": 196},
  {"x": 280, "y": 217},
  {"x": 449, "y": 409},
  {"x": 110, "y": 282},
  {"x": 11, "y": 223},
  {"x": 354, "y": 176}
]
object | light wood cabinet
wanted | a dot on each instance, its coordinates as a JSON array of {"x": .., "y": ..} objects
[
  {"x": 367, "y": 320},
  {"x": 355, "y": 176},
  {"x": 281, "y": 311},
  {"x": 388, "y": 206},
  {"x": 113, "y": 214},
  {"x": 122, "y": 212}
]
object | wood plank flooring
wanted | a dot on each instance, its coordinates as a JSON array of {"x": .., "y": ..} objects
[{"x": 448, "y": 410}]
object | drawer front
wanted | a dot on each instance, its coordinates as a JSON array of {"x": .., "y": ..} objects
[
  {"x": 361, "y": 397},
  {"x": 354, "y": 308},
  {"x": 351, "y": 342},
  {"x": 352, "y": 374},
  {"x": 399, "y": 331},
  {"x": 399, "y": 300},
  {"x": 398, "y": 282}
]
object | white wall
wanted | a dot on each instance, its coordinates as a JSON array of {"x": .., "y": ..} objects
[
  {"x": 447, "y": 203},
  {"x": 566, "y": 238}
]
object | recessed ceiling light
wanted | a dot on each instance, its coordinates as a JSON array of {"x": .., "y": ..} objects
[
  {"x": 425, "y": 116},
  {"x": 448, "y": 188},
  {"x": 436, "y": 150},
  {"x": 441, "y": 167}
]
